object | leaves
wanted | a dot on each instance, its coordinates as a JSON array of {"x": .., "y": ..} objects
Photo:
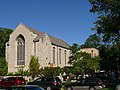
[
  {"x": 110, "y": 56},
  {"x": 74, "y": 48},
  {"x": 86, "y": 63},
  {"x": 3, "y": 67},
  {"x": 48, "y": 71},
  {"x": 4, "y": 37},
  {"x": 94, "y": 41},
  {"x": 34, "y": 66},
  {"x": 83, "y": 61},
  {"x": 108, "y": 21}
]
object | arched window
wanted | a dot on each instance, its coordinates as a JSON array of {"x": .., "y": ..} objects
[{"x": 20, "y": 50}]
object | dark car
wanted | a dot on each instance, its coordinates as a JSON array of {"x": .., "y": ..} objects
[
  {"x": 26, "y": 87},
  {"x": 110, "y": 83},
  {"x": 47, "y": 83},
  {"x": 11, "y": 81},
  {"x": 86, "y": 84}
]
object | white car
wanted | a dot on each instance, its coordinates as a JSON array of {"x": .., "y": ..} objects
[{"x": 118, "y": 87}]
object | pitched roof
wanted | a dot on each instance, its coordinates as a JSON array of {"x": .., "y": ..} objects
[{"x": 54, "y": 40}]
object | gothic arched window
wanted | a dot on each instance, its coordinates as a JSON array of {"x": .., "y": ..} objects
[{"x": 20, "y": 50}]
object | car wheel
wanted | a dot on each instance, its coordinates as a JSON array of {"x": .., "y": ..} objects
[
  {"x": 92, "y": 88},
  {"x": 49, "y": 88}
]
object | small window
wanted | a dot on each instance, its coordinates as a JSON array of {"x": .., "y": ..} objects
[
  {"x": 54, "y": 55},
  {"x": 65, "y": 57},
  {"x": 60, "y": 56}
]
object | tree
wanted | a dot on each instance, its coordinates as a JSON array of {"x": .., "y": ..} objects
[
  {"x": 49, "y": 71},
  {"x": 3, "y": 67},
  {"x": 93, "y": 41},
  {"x": 4, "y": 37},
  {"x": 108, "y": 22},
  {"x": 110, "y": 57},
  {"x": 22, "y": 72},
  {"x": 74, "y": 49},
  {"x": 83, "y": 61},
  {"x": 34, "y": 66}
]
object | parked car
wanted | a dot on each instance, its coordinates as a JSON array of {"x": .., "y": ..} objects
[
  {"x": 11, "y": 81},
  {"x": 110, "y": 83},
  {"x": 118, "y": 87},
  {"x": 4, "y": 88},
  {"x": 86, "y": 84},
  {"x": 47, "y": 83},
  {"x": 26, "y": 87},
  {"x": 107, "y": 80}
]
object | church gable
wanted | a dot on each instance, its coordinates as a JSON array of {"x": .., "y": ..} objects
[
  {"x": 22, "y": 30},
  {"x": 54, "y": 40},
  {"x": 27, "y": 32}
]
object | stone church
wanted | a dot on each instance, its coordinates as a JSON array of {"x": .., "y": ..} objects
[{"x": 25, "y": 42}]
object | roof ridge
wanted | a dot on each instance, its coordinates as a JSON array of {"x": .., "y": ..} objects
[
  {"x": 54, "y": 40},
  {"x": 31, "y": 29}
]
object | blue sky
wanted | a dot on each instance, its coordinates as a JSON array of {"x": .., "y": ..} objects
[{"x": 69, "y": 20}]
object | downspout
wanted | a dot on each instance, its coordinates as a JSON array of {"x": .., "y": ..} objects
[
  {"x": 34, "y": 48},
  {"x": 57, "y": 56}
]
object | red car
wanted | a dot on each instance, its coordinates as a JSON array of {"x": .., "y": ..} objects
[{"x": 12, "y": 81}]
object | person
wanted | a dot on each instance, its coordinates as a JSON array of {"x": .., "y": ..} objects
[
  {"x": 64, "y": 76},
  {"x": 113, "y": 76}
]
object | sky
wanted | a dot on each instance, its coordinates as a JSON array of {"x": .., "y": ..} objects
[{"x": 69, "y": 20}]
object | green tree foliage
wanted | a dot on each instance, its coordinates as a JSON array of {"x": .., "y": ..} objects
[
  {"x": 108, "y": 22},
  {"x": 34, "y": 66},
  {"x": 4, "y": 37},
  {"x": 67, "y": 70},
  {"x": 22, "y": 72},
  {"x": 10, "y": 74},
  {"x": 48, "y": 71},
  {"x": 83, "y": 61},
  {"x": 55, "y": 71},
  {"x": 3, "y": 67},
  {"x": 93, "y": 41},
  {"x": 74, "y": 48},
  {"x": 110, "y": 56}
]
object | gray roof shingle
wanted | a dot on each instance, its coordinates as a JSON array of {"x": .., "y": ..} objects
[{"x": 54, "y": 40}]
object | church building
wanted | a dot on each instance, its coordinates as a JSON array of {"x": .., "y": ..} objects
[{"x": 25, "y": 42}]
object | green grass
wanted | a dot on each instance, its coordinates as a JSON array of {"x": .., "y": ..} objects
[
  {"x": 105, "y": 89},
  {"x": 108, "y": 89}
]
